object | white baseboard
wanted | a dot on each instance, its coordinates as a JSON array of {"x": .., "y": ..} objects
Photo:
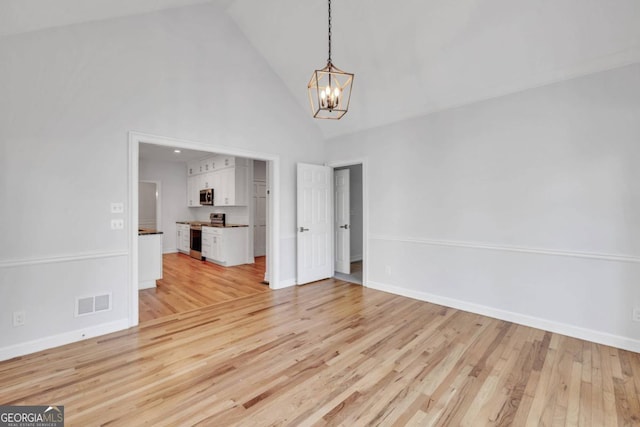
[
  {"x": 170, "y": 251},
  {"x": 61, "y": 339},
  {"x": 285, "y": 284},
  {"x": 355, "y": 258},
  {"x": 509, "y": 316},
  {"x": 148, "y": 284}
]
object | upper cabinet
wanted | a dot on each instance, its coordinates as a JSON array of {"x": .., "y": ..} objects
[
  {"x": 193, "y": 167},
  {"x": 232, "y": 187},
  {"x": 193, "y": 191},
  {"x": 227, "y": 175}
]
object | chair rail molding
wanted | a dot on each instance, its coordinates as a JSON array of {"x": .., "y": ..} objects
[
  {"x": 7, "y": 263},
  {"x": 507, "y": 248}
]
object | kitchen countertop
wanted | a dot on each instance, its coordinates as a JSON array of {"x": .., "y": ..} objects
[
  {"x": 208, "y": 224},
  {"x": 148, "y": 231}
]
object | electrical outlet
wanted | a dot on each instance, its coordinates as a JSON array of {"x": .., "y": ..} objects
[
  {"x": 117, "y": 224},
  {"x": 636, "y": 315},
  {"x": 117, "y": 208},
  {"x": 19, "y": 318}
]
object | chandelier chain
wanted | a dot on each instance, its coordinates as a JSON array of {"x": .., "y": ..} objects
[{"x": 329, "y": 60}]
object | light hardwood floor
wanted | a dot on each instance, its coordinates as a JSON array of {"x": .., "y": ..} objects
[
  {"x": 188, "y": 283},
  {"x": 330, "y": 353}
]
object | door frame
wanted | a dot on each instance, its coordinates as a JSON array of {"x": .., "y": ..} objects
[
  {"x": 365, "y": 212},
  {"x": 273, "y": 208}
]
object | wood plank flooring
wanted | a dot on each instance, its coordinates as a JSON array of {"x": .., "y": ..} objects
[
  {"x": 188, "y": 283},
  {"x": 330, "y": 353}
]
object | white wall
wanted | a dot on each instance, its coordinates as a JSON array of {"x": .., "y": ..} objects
[
  {"x": 70, "y": 95},
  {"x": 524, "y": 207},
  {"x": 233, "y": 214}
]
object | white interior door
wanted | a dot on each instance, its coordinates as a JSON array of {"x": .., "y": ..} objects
[
  {"x": 314, "y": 233},
  {"x": 342, "y": 221},
  {"x": 260, "y": 218}
]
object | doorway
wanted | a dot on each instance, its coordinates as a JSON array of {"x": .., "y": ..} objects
[
  {"x": 136, "y": 140},
  {"x": 319, "y": 225},
  {"x": 349, "y": 222}
]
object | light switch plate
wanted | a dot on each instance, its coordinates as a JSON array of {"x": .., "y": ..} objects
[
  {"x": 117, "y": 224},
  {"x": 117, "y": 207}
]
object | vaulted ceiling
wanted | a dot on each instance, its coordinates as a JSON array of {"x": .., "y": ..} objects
[{"x": 410, "y": 57}]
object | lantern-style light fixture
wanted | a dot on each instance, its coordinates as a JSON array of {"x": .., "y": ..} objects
[{"x": 330, "y": 88}]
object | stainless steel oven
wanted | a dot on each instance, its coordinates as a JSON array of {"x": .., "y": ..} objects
[{"x": 196, "y": 241}]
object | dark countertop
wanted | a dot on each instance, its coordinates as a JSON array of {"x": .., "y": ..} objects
[
  {"x": 148, "y": 231},
  {"x": 208, "y": 224}
]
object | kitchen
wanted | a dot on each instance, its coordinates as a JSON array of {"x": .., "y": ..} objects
[{"x": 212, "y": 210}]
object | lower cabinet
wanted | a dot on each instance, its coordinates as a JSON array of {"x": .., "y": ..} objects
[
  {"x": 208, "y": 238},
  {"x": 183, "y": 238},
  {"x": 225, "y": 246}
]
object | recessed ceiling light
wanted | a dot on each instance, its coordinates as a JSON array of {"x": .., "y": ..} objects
[{"x": 176, "y": 151}]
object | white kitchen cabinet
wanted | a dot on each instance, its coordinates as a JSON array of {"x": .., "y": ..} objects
[
  {"x": 217, "y": 250},
  {"x": 225, "y": 246},
  {"x": 230, "y": 161},
  {"x": 193, "y": 167},
  {"x": 207, "y": 180},
  {"x": 207, "y": 240},
  {"x": 212, "y": 249},
  {"x": 221, "y": 190},
  {"x": 210, "y": 164},
  {"x": 227, "y": 175},
  {"x": 232, "y": 186},
  {"x": 183, "y": 238},
  {"x": 193, "y": 191}
]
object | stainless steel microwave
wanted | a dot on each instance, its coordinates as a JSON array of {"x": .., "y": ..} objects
[{"x": 206, "y": 197}]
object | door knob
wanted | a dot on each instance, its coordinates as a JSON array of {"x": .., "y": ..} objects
[
  {"x": 302, "y": 229},
  {"x": 346, "y": 226}
]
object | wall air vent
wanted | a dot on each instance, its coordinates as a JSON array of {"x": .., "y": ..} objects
[
  {"x": 93, "y": 304},
  {"x": 103, "y": 302},
  {"x": 84, "y": 306}
]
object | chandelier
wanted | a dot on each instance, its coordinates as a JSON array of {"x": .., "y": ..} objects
[{"x": 330, "y": 88}]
